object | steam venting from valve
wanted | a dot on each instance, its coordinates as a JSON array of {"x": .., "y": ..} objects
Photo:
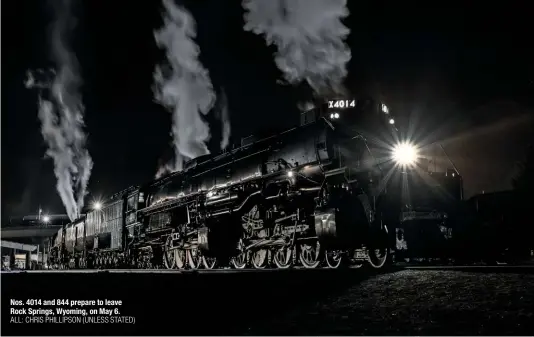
[
  {"x": 309, "y": 36},
  {"x": 183, "y": 86},
  {"x": 61, "y": 113}
]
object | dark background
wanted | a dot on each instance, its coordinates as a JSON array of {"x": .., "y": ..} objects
[{"x": 465, "y": 74}]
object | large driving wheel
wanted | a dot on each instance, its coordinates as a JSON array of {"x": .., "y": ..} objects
[
  {"x": 377, "y": 257},
  {"x": 283, "y": 257},
  {"x": 169, "y": 256},
  {"x": 194, "y": 258},
  {"x": 259, "y": 258},
  {"x": 180, "y": 256},
  {"x": 310, "y": 255},
  {"x": 209, "y": 262},
  {"x": 333, "y": 258},
  {"x": 240, "y": 261}
]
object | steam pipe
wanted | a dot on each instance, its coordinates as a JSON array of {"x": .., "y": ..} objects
[{"x": 221, "y": 200}]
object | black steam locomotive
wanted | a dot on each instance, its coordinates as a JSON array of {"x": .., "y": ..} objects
[{"x": 308, "y": 196}]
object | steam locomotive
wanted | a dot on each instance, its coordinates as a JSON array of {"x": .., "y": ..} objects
[{"x": 309, "y": 196}]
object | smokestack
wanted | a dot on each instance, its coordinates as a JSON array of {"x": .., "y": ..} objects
[
  {"x": 61, "y": 113},
  {"x": 309, "y": 36}
]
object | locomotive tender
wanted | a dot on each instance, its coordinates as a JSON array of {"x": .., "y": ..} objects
[{"x": 308, "y": 196}]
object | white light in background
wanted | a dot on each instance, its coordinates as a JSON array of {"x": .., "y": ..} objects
[{"x": 405, "y": 154}]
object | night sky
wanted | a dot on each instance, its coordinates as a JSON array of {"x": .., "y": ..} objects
[{"x": 464, "y": 74}]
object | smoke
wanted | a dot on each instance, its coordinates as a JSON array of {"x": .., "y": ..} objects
[
  {"x": 170, "y": 167},
  {"x": 309, "y": 36},
  {"x": 61, "y": 114},
  {"x": 183, "y": 85},
  {"x": 225, "y": 120}
]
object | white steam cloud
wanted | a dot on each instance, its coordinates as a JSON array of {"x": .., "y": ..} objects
[
  {"x": 225, "y": 121},
  {"x": 61, "y": 114},
  {"x": 309, "y": 36},
  {"x": 183, "y": 85}
]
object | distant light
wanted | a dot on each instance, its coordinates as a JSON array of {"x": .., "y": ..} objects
[
  {"x": 290, "y": 174},
  {"x": 331, "y": 116},
  {"x": 385, "y": 109},
  {"x": 97, "y": 205},
  {"x": 392, "y": 121},
  {"x": 46, "y": 218},
  {"x": 405, "y": 154},
  {"x": 336, "y": 115}
]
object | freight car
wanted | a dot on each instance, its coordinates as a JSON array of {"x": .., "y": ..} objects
[{"x": 307, "y": 196}]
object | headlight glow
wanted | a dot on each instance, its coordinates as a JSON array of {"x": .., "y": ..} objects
[
  {"x": 334, "y": 115},
  {"x": 405, "y": 154}
]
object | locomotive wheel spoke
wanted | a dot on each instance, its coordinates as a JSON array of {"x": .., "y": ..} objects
[
  {"x": 333, "y": 258},
  {"x": 310, "y": 255},
  {"x": 209, "y": 262},
  {"x": 259, "y": 258},
  {"x": 283, "y": 257}
]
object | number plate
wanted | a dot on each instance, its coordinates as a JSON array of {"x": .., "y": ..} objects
[{"x": 341, "y": 103}]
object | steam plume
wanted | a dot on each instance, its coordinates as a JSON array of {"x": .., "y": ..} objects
[
  {"x": 225, "y": 120},
  {"x": 61, "y": 114},
  {"x": 309, "y": 36},
  {"x": 182, "y": 84}
]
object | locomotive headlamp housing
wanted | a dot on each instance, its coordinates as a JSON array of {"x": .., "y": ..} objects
[{"x": 405, "y": 154}]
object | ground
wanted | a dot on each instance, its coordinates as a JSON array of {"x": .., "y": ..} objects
[
  {"x": 418, "y": 302},
  {"x": 484, "y": 301}
]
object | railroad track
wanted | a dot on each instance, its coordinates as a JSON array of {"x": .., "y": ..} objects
[{"x": 519, "y": 268}]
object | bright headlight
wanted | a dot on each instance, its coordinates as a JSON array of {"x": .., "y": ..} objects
[{"x": 405, "y": 154}]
